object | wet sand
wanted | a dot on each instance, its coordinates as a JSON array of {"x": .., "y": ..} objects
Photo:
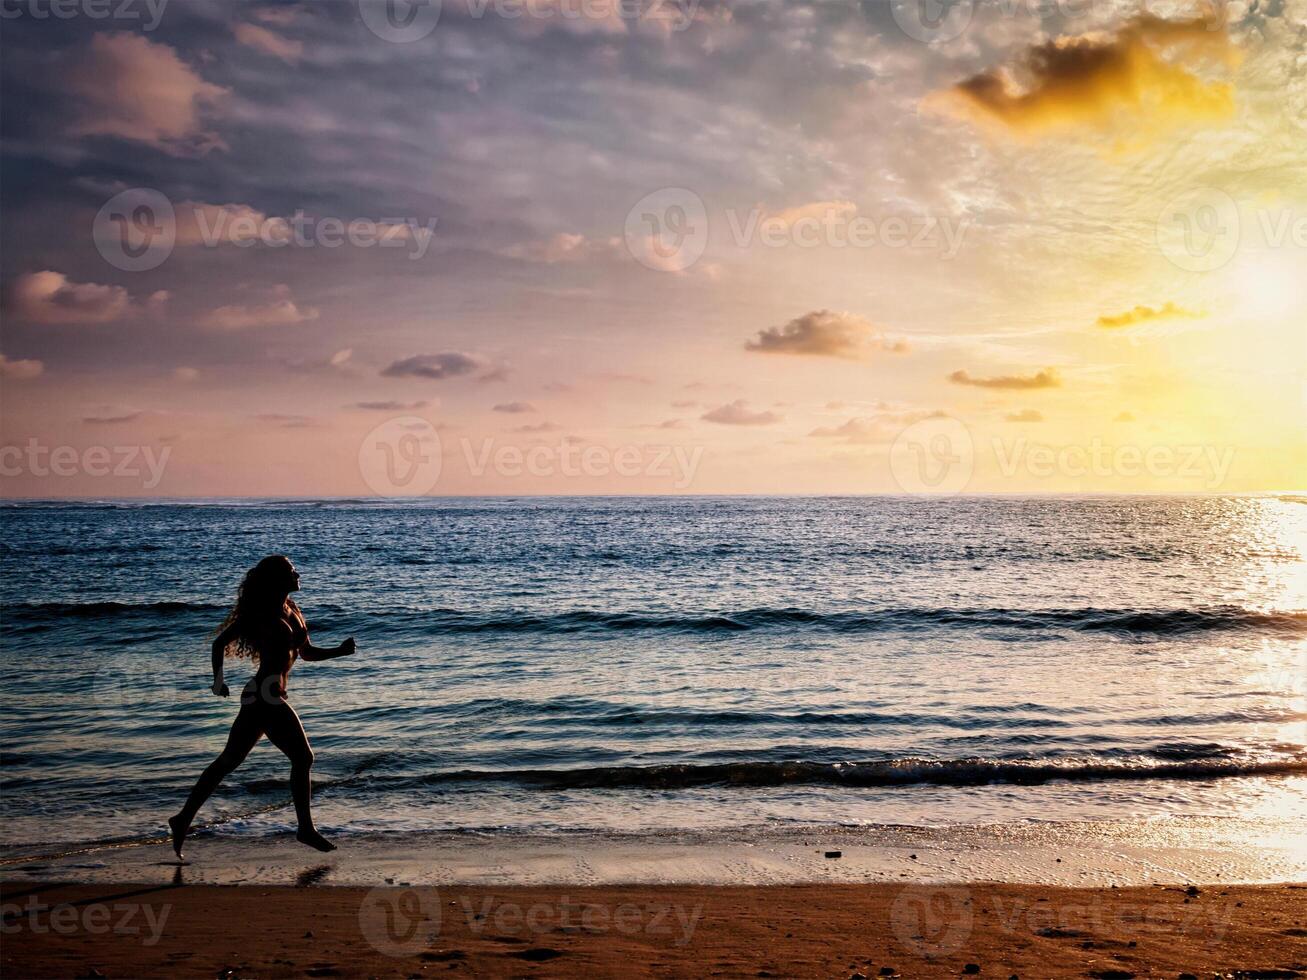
[
  {"x": 831, "y": 930},
  {"x": 1178, "y": 851}
]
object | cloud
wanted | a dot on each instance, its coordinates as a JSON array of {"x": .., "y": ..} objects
[
  {"x": 112, "y": 417},
  {"x": 391, "y": 406},
  {"x": 1015, "y": 382},
  {"x": 340, "y": 363},
  {"x": 537, "y": 429},
  {"x": 1025, "y": 415},
  {"x": 738, "y": 413},
  {"x": 187, "y": 374},
  {"x": 157, "y": 305},
  {"x": 514, "y": 408},
  {"x": 435, "y": 367},
  {"x": 285, "y": 421},
  {"x": 664, "y": 253},
  {"x": 281, "y": 16},
  {"x": 269, "y": 42},
  {"x": 824, "y": 212},
  {"x": 571, "y": 247},
  {"x": 874, "y": 429},
  {"x": 131, "y": 88},
  {"x": 621, "y": 377},
  {"x": 280, "y": 311},
  {"x": 198, "y": 223},
  {"x": 824, "y": 333},
  {"x": 600, "y": 17},
  {"x": 1139, "y": 77},
  {"x": 1143, "y": 314},
  {"x": 855, "y": 430},
  {"x": 499, "y": 373},
  {"x": 565, "y": 247},
  {"x": 20, "y": 370},
  {"x": 1124, "y": 417},
  {"x": 49, "y": 297}
]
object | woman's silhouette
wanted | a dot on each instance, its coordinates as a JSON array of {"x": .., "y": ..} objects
[{"x": 267, "y": 626}]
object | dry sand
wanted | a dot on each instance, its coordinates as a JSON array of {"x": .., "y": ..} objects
[{"x": 828, "y": 930}]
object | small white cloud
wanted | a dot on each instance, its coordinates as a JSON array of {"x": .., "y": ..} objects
[
  {"x": 826, "y": 212},
  {"x": 564, "y": 247},
  {"x": 20, "y": 370},
  {"x": 269, "y": 42},
  {"x": 49, "y": 297},
  {"x": 280, "y": 311},
  {"x": 739, "y": 413},
  {"x": 157, "y": 305},
  {"x": 1025, "y": 415}
]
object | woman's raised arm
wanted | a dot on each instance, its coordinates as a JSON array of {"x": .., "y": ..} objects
[
  {"x": 312, "y": 653},
  {"x": 220, "y": 643}
]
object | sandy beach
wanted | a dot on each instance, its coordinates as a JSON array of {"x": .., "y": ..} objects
[
  {"x": 790, "y": 931},
  {"x": 1152, "y": 898}
]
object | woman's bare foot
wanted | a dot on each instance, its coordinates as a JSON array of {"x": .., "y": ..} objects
[
  {"x": 315, "y": 840},
  {"x": 178, "y": 830}
]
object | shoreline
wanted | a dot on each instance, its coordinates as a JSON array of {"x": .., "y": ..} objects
[
  {"x": 833, "y": 930},
  {"x": 1125, "y": 853}
]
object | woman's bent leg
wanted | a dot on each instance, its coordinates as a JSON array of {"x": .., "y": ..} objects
[
  {"x": 245, "y": 732},
  {"x": 284, "y": 730}
]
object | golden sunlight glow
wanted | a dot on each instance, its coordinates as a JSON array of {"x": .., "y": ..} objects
[{"x": 1269, "y": 284}]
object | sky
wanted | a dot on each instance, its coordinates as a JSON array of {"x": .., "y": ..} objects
[{"x": 375, "y": 247}]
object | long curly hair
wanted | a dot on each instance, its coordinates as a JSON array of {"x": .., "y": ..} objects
[{"x": 262, "y": 596}]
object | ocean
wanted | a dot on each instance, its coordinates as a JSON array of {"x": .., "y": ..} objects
[{"x": 653, "y": 666}]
